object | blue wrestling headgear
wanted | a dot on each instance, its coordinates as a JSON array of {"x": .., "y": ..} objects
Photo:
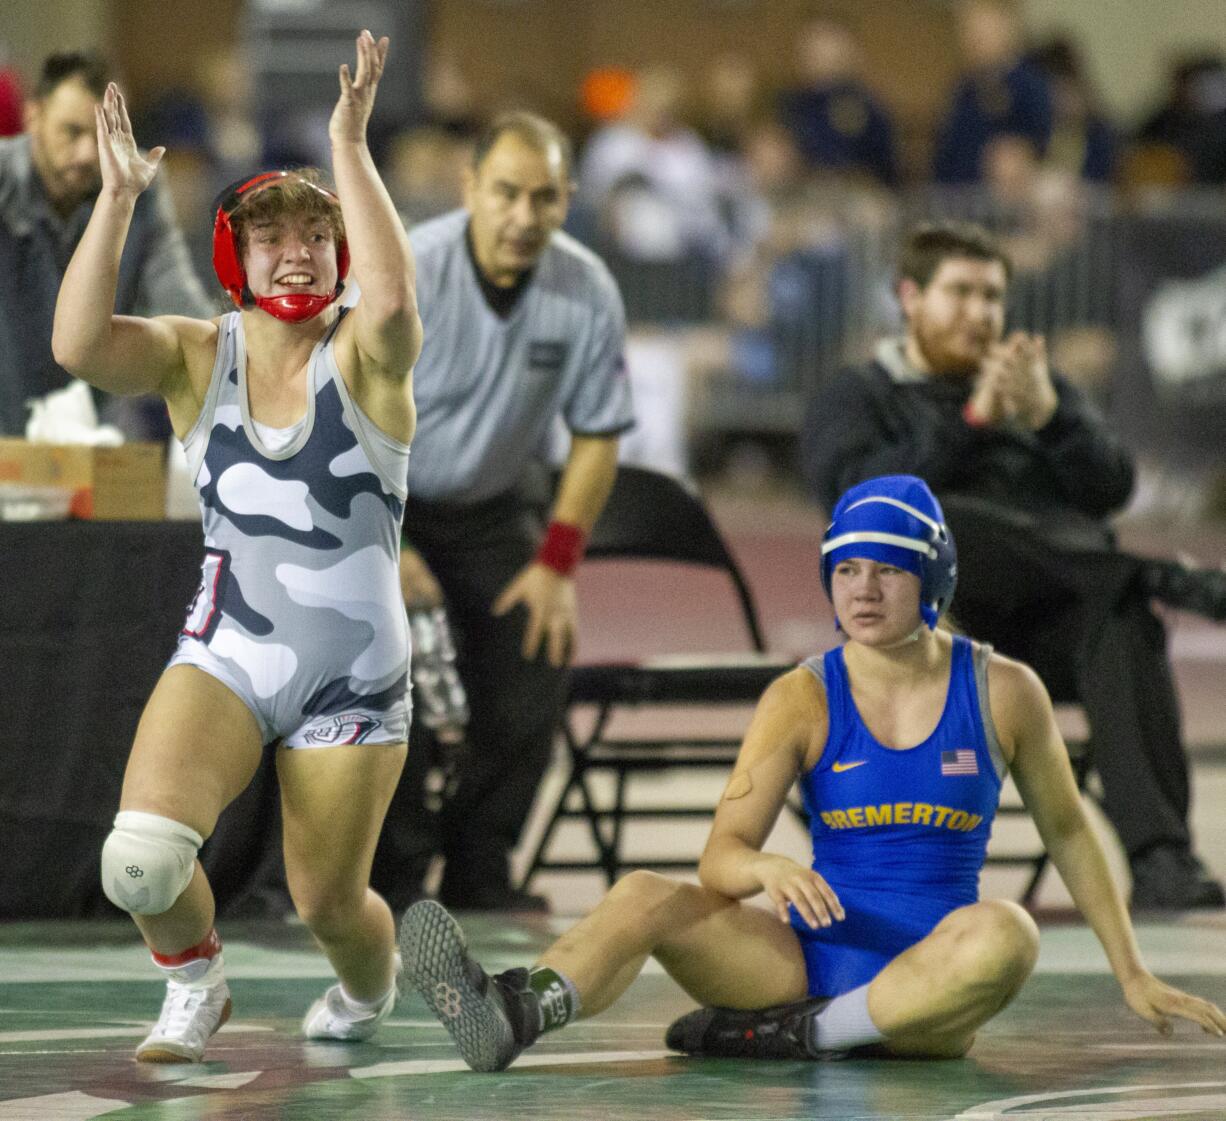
[{"x": 895, "y": 519}]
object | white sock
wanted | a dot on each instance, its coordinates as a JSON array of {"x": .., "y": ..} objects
[
  {"x": 363, "y": 1008},
  {"x": 197, "y": 973},
  {"x": 844, "y": 1023}
]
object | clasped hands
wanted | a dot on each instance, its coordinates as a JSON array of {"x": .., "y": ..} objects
[{"x": 1014, "y": 384}]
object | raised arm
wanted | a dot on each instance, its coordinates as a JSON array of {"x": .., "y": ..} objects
[
  {"x": 386, "y": 329},
  {"x": 1026, "y": 724},
  {"x": 118, "y": 353},
  {"x": 788, "y": 729}
]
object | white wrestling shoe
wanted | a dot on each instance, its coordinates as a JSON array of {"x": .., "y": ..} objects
[
  {"x": 331, "y": 1018},
  {"x": 191, "y": 1015}
]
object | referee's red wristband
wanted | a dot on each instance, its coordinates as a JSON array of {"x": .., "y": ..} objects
[
  {"x": 562, "y": 549},
  {"x": 971, "y": 416}
]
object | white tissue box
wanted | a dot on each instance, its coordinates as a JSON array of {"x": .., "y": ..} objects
[{"x": 125, "y": 483}]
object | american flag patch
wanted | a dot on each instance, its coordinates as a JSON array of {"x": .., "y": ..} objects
[{"x": 960, "y": 762}]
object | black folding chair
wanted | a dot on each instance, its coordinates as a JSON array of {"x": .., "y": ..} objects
[{"x": 651, "y": 516}]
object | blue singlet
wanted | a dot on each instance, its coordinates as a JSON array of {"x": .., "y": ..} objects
[{"x": 899, "y": 834}]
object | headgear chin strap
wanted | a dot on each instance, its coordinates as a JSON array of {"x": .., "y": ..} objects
[
  {"x": 295, "y": 307},
  {"x": 895, "y": 519}
]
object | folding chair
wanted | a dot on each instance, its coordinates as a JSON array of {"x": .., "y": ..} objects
[{"x": 651, "y": 516}]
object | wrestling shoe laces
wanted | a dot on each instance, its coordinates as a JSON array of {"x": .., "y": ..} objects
[
  {"x": 491, "y": 1019},
  {"x": 190, "y": 1016},
  {"x": 784, "y": 1031}
]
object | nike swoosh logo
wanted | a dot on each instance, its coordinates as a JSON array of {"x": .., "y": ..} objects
[{"x": 839, "y": 768}]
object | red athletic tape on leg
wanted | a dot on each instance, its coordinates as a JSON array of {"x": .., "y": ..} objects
[{"x": 209, "y": 948}]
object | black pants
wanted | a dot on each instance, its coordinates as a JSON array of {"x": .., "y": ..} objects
[
  {"x": 474, "y": 552},
  {"x": 1076, "y": 611}
]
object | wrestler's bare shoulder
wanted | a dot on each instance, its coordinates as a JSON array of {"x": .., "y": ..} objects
[{"x": 186, "y": 390}]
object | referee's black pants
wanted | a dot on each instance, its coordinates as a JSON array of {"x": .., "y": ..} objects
[
  {"x": 1078, "y": 613},
  {"x": 515, "y": 704}
]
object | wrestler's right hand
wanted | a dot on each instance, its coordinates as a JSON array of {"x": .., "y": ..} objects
[
  {"x": 788, "y": 883},
  {"x": 124, "y": 169},
  {"x": 357, "y": 96}
]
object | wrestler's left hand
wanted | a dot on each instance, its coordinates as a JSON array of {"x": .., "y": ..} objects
[
  {"x": 788, "y": 883},
  {"x": 553, "y": 610},
  {"x": 1157, "y": 1002},
  {"x": 357, "y": 99},
  {"x": 124, "y": 169}
]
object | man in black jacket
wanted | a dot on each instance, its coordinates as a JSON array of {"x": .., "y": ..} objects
[{"x": 1028, "y": 475}]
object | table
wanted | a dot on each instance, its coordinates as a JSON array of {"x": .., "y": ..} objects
[{"x": 89, "y": 614}]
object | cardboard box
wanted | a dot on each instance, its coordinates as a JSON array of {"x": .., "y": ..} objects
[{"x": 127, "y": 483}]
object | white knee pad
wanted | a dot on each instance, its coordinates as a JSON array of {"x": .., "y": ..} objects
[{"x": 147, "y": 862}]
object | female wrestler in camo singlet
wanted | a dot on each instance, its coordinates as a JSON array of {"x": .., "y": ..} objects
[{"x": 297, "y": 421}]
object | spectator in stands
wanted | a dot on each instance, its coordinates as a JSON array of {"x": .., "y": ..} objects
[
  {"x": 450, "y": 99},
  {"x": 783, "y": 294},
  {"x": 653, "y": 179},
  {"x": 1191, "y": 123},
  {"x": 424, "y": 171},
  {"x": 730, "y": 101},
  {"x": 49, "y": 178},
  {"x": 224, "y": 79},
  {"x": 837, "y": 122},
  {"x": 1036, "y": 210},
  {"x": 730, "y": 109},
  {"x": 1083, "y": 141},
  {"x": 1000, "y": 92},
  {"x": 1028, "y": 475}
]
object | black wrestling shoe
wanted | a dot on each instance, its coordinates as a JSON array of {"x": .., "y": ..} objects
[
  {"x": 780, "y": 1032},
  {"x": 1171, "y": 878},
  {"x": 491, "y": 1019}
]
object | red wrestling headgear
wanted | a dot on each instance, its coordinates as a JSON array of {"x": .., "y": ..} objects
[{"x": 228, "y": 265}]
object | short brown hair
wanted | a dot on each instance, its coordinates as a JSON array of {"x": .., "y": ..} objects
[
  {"x": 298, "y": 194},
  {"x": 88, "y": 67},
  {"x": 534, "y": 130},
  {"x": 930, "y": 245}
]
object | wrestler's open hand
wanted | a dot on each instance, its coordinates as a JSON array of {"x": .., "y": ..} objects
[
  {"x": 357, "y": 99},
  {"x": 786, "y": 882},
  {"x": 124, "y": 169},
  {"x": 1157, "y": 1002},
  {"x": 553, "y": 610}
]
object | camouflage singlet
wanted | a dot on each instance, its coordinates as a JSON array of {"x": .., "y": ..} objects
[{"x": 299, "y": 609}]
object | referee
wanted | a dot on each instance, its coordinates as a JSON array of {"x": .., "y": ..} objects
[{"x": 522, "y": 324}]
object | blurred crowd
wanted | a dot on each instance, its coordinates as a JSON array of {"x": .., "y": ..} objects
[{"x": 762, "y": 211}]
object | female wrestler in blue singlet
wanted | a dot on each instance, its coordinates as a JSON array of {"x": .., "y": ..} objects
[
  {"x": 900, "y": 739},
  {"x": 297, "y": 421}
]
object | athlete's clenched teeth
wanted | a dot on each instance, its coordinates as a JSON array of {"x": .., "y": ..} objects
[{"x": 296, "y": 278}]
